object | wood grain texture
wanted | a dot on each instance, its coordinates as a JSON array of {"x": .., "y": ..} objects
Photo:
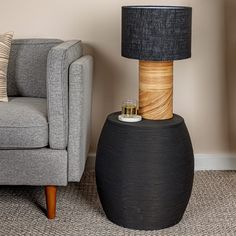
[
  {"x": 156, "y": 90},
  {"x": 51, "y": 193}
]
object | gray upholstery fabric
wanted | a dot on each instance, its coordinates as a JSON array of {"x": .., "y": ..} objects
[
  {"x": 48, "y": 115},
  {"x": 23, "y": 123},
  {"x": 80, "y": 94},
  {"x": 27, "y": 67},
  {"x": 33, "y": 167},
  {"x": 59, "y": 59}
]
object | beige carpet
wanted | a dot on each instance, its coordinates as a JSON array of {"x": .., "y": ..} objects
[{"x": 212, "y": 210}]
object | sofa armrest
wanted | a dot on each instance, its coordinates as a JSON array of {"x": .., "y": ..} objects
[
  {"x": 80, "y": 99},
  {"x": 59, "y": 59}
]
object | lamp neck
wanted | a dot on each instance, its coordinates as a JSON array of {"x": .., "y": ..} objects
[{"x": 156, "y": 89}]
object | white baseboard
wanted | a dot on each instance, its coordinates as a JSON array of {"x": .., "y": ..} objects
[
  {"x": 202, "y": 161},
  {"x": 215, "y": 162}
]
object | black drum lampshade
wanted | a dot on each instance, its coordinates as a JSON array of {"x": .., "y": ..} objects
[{"x": 156, "y": 33}]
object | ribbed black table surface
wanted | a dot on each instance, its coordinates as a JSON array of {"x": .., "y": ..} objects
[
  {"x": 146, "y": 123},
  {"x": 144, "y": 172}
]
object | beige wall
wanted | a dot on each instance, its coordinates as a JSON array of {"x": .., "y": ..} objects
[
  {"x": 230, "y": 9},
  {"x": 200, "y": 82}
]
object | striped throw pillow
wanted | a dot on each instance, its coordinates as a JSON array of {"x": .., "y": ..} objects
[{"x": 5, "y": 46}]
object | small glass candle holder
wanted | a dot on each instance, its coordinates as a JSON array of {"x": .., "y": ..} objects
[
  {"x": 129, "y": 108},
  {"x": 129, "y": 111}
]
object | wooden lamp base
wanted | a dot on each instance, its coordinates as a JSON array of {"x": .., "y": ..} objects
[{"x": 156, "y": 90}]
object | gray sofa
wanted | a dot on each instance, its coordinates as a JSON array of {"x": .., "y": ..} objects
[{"x": 45, "y": 126}]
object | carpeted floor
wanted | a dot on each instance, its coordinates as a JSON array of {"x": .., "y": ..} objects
[{"x": 211, "y": 211}]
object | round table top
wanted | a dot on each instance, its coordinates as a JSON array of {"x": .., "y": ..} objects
[{"x": 176, "y": 120}]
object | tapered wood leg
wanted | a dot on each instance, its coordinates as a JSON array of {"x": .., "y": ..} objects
[{"x": 50, "y": 194}]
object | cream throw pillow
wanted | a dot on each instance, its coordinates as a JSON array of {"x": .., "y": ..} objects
[{"x": 5, "y": 47}]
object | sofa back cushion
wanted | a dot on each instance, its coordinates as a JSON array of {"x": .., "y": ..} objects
[{"x": 27, "y": 67}]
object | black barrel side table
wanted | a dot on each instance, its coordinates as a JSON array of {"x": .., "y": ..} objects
[{"x": 144, "y": 172}]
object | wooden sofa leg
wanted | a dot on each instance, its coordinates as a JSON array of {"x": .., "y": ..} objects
[{"x": 51, "y": 194}]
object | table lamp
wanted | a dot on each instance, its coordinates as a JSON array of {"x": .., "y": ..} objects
[{"x": 156, "y": 36}]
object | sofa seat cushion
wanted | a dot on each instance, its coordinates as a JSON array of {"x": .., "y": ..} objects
[{"x": 23, "y": 123}]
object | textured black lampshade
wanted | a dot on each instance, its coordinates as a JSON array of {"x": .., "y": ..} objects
[{"x": 156, "y": 33}]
